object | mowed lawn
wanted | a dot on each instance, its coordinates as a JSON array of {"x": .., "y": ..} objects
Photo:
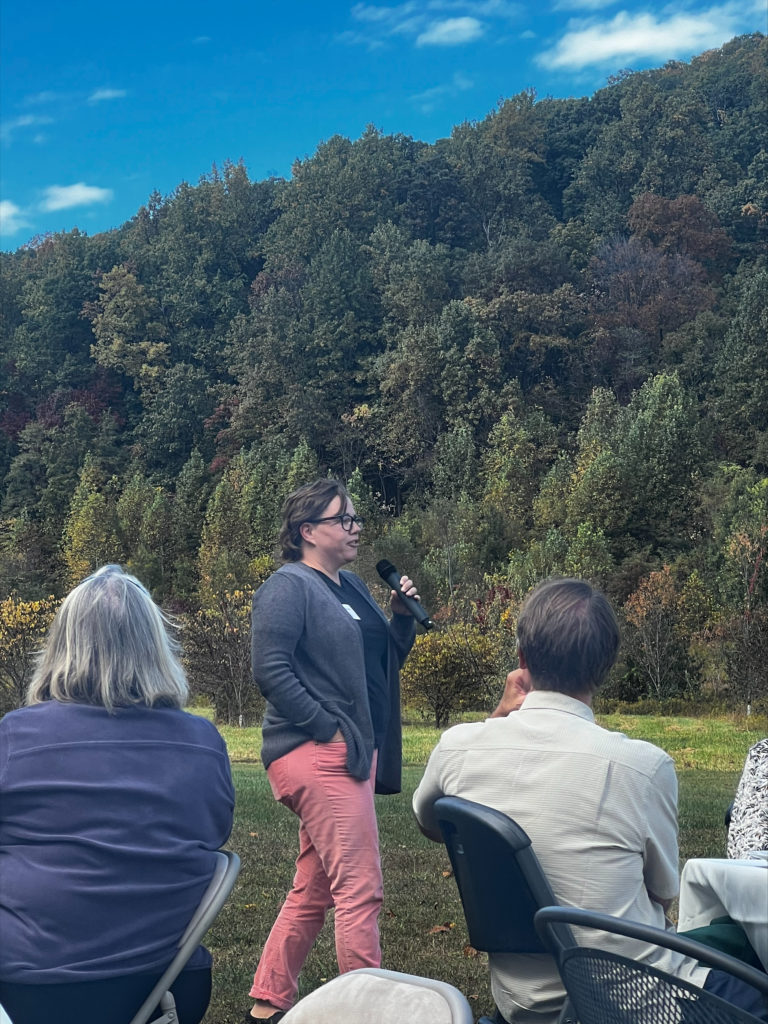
[{"x": 422, "y": 928}]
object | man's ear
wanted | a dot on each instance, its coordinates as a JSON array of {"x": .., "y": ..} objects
[
  {"x": 521, "y": 658},
  {"x": 305, "y": 532}
]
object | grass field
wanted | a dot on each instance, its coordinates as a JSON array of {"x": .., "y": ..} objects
[{"x": 422, "y": 928}]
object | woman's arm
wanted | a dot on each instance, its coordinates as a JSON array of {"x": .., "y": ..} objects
[{"x": 277, "y": 625}]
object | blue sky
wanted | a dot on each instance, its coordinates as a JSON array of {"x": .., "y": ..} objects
[{"x": 101, "y": 104}]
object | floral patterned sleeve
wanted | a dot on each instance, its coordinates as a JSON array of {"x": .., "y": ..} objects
[{"x": 749, "y": 819}]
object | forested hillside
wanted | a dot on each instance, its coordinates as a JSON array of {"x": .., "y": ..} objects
[{"x": 537, "y": 346}]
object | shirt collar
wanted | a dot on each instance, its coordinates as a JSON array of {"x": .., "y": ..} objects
[{"x": 552, "y": 700}]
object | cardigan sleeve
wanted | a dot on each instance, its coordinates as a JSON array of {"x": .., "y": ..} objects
[{"x": 277, "y": 624}]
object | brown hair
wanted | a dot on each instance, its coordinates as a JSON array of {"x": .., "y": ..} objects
[
  {"x": 569, "y": 636},
  {"x": 306, "y": 503}
]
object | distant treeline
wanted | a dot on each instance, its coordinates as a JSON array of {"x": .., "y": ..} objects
[{"x": 537, "y": 346}]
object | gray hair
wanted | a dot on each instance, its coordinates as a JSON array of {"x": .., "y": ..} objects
[
  {"x": 569, "y": 636},
  {"x": 109, "y": 645},
  {"x": 306, "y": 503}
]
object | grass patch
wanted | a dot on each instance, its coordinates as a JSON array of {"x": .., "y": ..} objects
[
  {"x": 707, "y": 744},
  {"x": 709, "y": 754}
]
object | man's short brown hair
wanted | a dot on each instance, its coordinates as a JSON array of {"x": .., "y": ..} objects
[{"x": 569, "y": 636}]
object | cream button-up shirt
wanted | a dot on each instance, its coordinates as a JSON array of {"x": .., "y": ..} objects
[{"x": 601, "y": 812}]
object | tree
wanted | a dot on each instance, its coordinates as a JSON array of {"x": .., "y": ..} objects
[
  {"x": 217, "y": 657},
  {"x": 684, "y": 226},
  {"x": 449, "y": 671},
  {"x": 90, "y": 536},
  {"x": 231, "y": 555},
  {"x": 175, "y": 418},
  {"x": 744, "y": 629},
  {"x": 741, "y": 380},
  {"x": 652, "y": 615},
  {"x": 127, "y": 323},
  {"x": 193, "y": 492},
  {"x": 145, "y": 521},
  {"x": 23, "y": 626}
]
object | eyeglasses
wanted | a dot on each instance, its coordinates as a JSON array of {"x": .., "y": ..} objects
[{"x": 345, "y": 520}]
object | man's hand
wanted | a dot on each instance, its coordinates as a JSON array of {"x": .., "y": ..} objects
[{"x": 518, "y": 684}]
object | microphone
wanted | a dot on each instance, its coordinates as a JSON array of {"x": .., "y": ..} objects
[{"x": 390, "y": 575}]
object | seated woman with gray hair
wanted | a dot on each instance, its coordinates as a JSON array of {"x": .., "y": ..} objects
[{"x": 113, "y": 802}]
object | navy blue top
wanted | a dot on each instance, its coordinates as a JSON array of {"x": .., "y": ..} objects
[{"x": 108, "y": 828}]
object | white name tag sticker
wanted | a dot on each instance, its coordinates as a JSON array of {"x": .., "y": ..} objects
[{"x": 350, "y": 611}]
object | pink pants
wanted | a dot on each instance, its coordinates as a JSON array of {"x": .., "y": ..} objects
[{"x": 338, "y": 865}]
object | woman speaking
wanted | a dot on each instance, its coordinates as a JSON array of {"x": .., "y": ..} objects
[{"x": 327, "y": 661}]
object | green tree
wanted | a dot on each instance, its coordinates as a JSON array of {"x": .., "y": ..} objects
[
  {"x": 231, "y": 556},
  {"x": 741, "y": 376},
  {"x": 145, "y": 520},
  {"x": 217, "y": 657},
  {"x": 128, "y": 327},
  {"x": 193, "y": 491},
  {"x": 653, "y": 639},
  {"x": 23, "y": 626},
  {"x": 450, "y": 671},
  {"x": 90, "y": 537}
]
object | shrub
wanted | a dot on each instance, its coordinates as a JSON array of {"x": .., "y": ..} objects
[{"x": 449, "y": 671}]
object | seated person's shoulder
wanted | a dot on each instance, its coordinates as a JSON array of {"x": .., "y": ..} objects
[
  {"x": 638, "y": 754},
  {"x": 757, "y": 758},
  {"x": 465, "y": 734}
]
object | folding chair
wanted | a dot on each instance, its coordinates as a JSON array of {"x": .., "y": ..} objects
[
  {"x": 221, "y": 884},
  {"x": 607, "y": 988},
  {"x": 382, "y": 997},
  {"x": 501, "y": 882}
]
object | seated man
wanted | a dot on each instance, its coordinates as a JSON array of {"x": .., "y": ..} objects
[{"x": 600, "y": 809}]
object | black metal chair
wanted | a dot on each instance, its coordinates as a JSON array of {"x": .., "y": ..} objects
[
  {"x": 500, "y": 880},
  {"x": 224, "y": 877},
  {"x": 607, "y": 988}
]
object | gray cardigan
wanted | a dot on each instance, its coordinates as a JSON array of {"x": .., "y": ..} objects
[{"x": 307, "y": 659}]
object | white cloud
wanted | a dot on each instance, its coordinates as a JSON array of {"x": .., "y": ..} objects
[
  {"x": 106, "y": 94},
  {"x": 40, "y": 97},
  {"x": 431, "y": 98},
  {"x": 451, "y": 32},
  {"x": 583, "y": 5},
  {"x": 421, "y": 21},
  {"x": 62, "y": 197},
  {"x": 479, "y": 8},
  {"x": 635, "y": 37},
  {"x": 12, "y": 218},
  {"x": 370, "y": 13},
  {"x": 9, "y": 128}
]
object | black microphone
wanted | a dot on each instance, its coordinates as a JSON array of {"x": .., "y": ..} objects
[{"x": 390, "y": 575}]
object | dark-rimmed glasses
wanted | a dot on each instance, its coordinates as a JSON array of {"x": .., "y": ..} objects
[{"x": 344, "y": 520}]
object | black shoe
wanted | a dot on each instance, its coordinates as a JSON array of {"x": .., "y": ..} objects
[{"x": 276, "y": 1016}]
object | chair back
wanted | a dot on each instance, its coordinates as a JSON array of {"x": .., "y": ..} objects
[
  {"x": 379, "y": 997},
  {"x": 213, "y": 899},
  {"x": 500, "y": 880},
  {"x": 607, "y": 988}
]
